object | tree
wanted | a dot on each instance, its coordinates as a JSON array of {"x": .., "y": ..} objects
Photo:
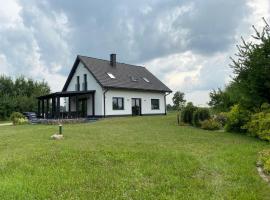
[
  {"x": 220, "y": 100},
  {"x": 187, "y": 113},
  {"x": 179, "y": 100},
  {"x": 251, "y": 81},
  {"x": 252, "y": 70},
  {"x": 20, "y": 95}
]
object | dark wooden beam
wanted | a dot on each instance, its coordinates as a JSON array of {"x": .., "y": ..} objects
[
  {"x": 58, "y": 107},
  {"x": 42, "y": 109},
  {"x": 38, "y": 107},
  {"x": 69, "y": 107},
  {"x": 93, "y": 104},
  {"x": 77, "y": 106},
  {"x": 47, "y": 107},
  {"x": 53, "y": 107}
]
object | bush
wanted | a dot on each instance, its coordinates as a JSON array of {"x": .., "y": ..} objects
[
  {"x": 210, "y": 124},
  {"x": 265, "y": 107},
  {"x": 236, "y": 119},
  {"x": 187, "y": 113},
  {"x": 200, "y": 115},
  {"x": 221, "y": 118},
  {"x": 18, "y": 118},
  {"x": 259, "y": 125},
  {"x": 264, "y": 161}
]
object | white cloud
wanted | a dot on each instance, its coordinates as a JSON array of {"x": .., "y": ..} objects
[
  {"x": 187, "y": 44},
  {"x": 9, "y": 14},
  {"x": 36, "y": 47},
  {"x": 4, "y": 65}
]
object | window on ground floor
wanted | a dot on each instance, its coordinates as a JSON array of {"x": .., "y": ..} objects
[
  {"x": 118, "y": 103},
  {"x": 155, "y": 104}
]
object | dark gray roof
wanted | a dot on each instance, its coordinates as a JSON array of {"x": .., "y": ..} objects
[{"x": 123, "y": 73}]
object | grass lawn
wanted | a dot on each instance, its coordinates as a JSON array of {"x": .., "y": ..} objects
[
  {"x": 4, "y": 122},
  {"x": 128, "y": 158}
]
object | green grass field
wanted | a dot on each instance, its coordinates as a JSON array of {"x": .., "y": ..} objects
[
  {"x": 4, "y": 122},
  {"x": 128, "y": 158}
]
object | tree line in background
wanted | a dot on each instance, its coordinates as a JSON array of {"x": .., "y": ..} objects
[
  {"x": 244, "y": 105},
  {"x": 19, "y": 95}
]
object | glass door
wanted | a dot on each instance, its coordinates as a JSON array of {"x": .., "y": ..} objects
[{"x": 136, "y": 106}]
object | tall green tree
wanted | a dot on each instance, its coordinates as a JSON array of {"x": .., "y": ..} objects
[
  {"x": 250, "y": 86},
  {"x": 20, "y": 95},
  {"x": 252, "y": 69},
  {"x": 179, "y": 100}
]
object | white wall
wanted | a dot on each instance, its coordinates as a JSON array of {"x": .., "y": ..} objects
[
  {"x": 128, "y": 95},
  {"x": 92, "y": 84}
]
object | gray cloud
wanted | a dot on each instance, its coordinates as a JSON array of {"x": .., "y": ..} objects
[
  {"x": 49, "y": 34},
  {"x": 143, "y": 30}
]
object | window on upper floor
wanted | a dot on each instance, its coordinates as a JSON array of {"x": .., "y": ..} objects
[
  {"x": 111, "y": 75},
  {"x": 118, "y": 103},
  {"x": 155, "y": 104},
  {"x": 146, "y": 79},
  {"x": 77, "y": 85},
  {"x": 85, "y": 82},
  {"x": 133, "y": 79}
]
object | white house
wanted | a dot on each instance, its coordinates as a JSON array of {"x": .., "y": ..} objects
[{"x": 101, "y": 88}]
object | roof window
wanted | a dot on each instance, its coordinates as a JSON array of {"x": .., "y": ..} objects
[
  {"x": 111, "y": 75},
  {"x": 146, "y": 80},
  {"x": 132, "y": 78}
]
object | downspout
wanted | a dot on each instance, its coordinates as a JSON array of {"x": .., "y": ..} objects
[
  {"x": 165, "y": 102},
  {"x": 104, "y": 103}
]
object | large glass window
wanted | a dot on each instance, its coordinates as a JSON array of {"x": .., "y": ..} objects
[
  {"x": 155, "y": 104},
  {"x": 85, "y": 82},
  {"x": 118, "y": 103},
  {"x": 77, "y": 86}
]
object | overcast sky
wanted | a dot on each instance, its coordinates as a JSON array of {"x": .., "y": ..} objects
[{"x": 185, "y": 43}]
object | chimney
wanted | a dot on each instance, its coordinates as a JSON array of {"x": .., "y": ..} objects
[{"x": 113, "y": 60}]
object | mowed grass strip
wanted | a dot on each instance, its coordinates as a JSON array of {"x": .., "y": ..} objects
[{"x": 128, "y": 158}]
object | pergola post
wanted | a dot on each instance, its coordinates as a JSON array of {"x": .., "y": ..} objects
[
  {"x": 58, "y": 107},
  {"x": 93, "y": 104},
  {"x": 77, "y": 106},
  {"x": 42, "y": 108},
  {"x": 53, "y": 107},
  {"x": 38, "y": 107},
  {"x": 69, "y": 107},
  {"x": 47, "y": 107}
]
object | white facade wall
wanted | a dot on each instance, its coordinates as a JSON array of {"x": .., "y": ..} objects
[
  {"x": 92, "y": 84},
  {"x": 128, "y": 95}
]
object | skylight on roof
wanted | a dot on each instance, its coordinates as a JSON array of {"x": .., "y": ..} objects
[
  {"x": 146, "y": 80},
  {"x": 133, "y": 79},
  {"x": 111, "y": 75}
]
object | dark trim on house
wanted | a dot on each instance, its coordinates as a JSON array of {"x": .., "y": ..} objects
[
  {"x": 136, "y": 89},
  {"x": 151, "y": 114},
  {"x": 104, "y": 102},
  {"x": 66, "y": 94},
  {"x": 165, "y": 102},
  {"x": 129, "y": 115},
  {"x": 73, "y": 70},
  {"x": 56, "y": 109}
]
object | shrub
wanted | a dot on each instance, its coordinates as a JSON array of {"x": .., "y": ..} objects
[
  {"x": 210, "y": 124},
  {"x": 236, "y": 119},
  {"x": 200, "y": 115},
  {"x": 265, "y": 107},
  {"x": 18, "y": 118},
  {"x": 264, "y": 160},
  {"x": 187, "y": 113},
  {"x": 259, "y": 125},
  {"x": 221, "y": 118}
]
